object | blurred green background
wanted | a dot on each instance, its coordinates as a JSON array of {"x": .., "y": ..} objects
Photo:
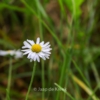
[{"x": 72, "y": 27}]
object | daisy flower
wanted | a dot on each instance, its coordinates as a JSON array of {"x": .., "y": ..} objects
[
  {"x": 16, "y": 53},
  {"x": 36, "y": 50}
]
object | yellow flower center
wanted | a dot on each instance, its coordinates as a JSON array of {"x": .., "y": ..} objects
[{"x": 36, "y": 48}]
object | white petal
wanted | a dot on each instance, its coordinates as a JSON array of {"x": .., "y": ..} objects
[
  {"x": 33, "y": 54},
  {"x": 38, "y": 59},
  {"x": 46, "y": 44},
  {"x": 46, "y": 47},
  {"x": 48, "y": 52},
  {"x": 47, "y": 57},
  {"x": 41, "y": 54},
  {"x": 26, "y": 50},
  {"x": 25, "y": 47},
  {"x": 38, "y": 41},
  {"x": 43, "y": 57},
  {"x": 42, "y": 43},
  {"x": 31, "y": 42},
  {"x": 35, "y": 57},
  {"x": 27, "y": 44},
  {"x": 29, "y": 55},
  {"x": 45, "y": 50}
]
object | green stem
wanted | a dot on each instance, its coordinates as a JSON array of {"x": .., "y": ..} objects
[
  {"x": 43, "y": 80},
  {"x": 30, "y": 85},
  {"x": 9, "y": 80}
]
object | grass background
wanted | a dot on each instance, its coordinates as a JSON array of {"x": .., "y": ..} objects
[{"x": 72, "y": 27}]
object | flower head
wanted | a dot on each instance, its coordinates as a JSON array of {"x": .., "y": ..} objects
[
  {"x": 36, "y": 50},
  {"x": 16, "y": 53}
]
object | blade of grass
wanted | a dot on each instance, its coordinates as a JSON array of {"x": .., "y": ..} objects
[
  {"x": 95, "y": 72},
  {"x": 97, "y": 87},
  {"x": 80, "y": 72},
  {"x": 84, "y": 87},
  {"x": 63, "y": 90}
]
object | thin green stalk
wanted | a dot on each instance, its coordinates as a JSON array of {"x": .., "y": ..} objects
[
  {"x": 95, "y": 73},
  {"x": 9, "y": 80},
  {"x": 66, "y": 66},
  {"x": 63, "y": 11},
  {"x": 71, "y": 34},
  {"x": 43, "y": 81},
  {"x": 69, "y": 52},
  {"x": 61, "y": 77},
  {"x": 92, "y": 20},
  {"x": 80, "y": 72},
  {"x": 32, "y": 77},
  {"x": 62, "y": 89},
  {"x": 74, "y": 9}
]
